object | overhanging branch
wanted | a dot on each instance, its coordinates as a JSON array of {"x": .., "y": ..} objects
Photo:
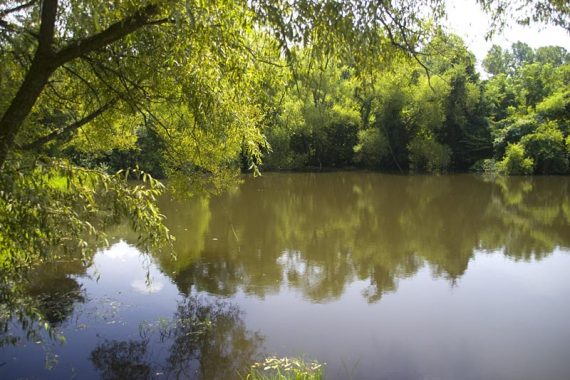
[
  {"x": 47, "y": 26},
  {"x": 69, "y": 128},
  {"x": 113, "y": 33},
  {"x": 17, "y": 8}
]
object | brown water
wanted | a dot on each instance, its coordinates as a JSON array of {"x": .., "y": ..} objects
[{"x": 380, "y": 276}]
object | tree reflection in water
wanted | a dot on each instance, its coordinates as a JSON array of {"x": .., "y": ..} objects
[
  {"x": 45, "y": 296},
  {"x": 122, "y": 360},
  {"x": 205, "y": 339},
  {"x": 320, "y": 232}
]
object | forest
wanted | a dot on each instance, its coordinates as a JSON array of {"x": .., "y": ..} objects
[{"x": 435, "y": 116}]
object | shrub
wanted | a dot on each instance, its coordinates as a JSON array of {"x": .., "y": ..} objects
[
  {"x": 515, "y": 162},
  {"x": 487, "y": 166},
  {"x": 273, "y": 368},
  {"x": 282, "y": 154},
  {"x": 336, "y": 148},
  {"x": 371, "y": 148},
  {"x": 511, "y": 131},
  {"x": 546, "y": 148},
  {"x": 426, "y": 154}
]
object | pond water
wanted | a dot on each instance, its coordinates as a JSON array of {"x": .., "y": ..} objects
[{"x": 379, "y": 276}]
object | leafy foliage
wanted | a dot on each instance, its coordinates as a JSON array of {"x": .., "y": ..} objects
[
  {"x": 529, "y": 108},
  {"x": 515, "y": 161},
  {"x": 73, "y": 206},
  {"x": 428, "y": 155}
]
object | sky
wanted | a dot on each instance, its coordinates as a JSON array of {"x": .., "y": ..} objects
[{"x": 466, "y": 19}]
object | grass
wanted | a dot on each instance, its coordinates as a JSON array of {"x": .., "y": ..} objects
[{"x": 274, "y": 368}]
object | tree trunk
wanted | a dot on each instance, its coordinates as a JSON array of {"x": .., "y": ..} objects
[
  {"x": 20, "y": 107},
  {"x": 34, "y": 82}
]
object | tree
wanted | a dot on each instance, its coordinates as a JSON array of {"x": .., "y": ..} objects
[
  {"x": 464, "y": 127},
  {"x": 47, "y": 59},
  {"x": 546, "y": 148},
  {"x": 516, "y": 162},
  {"x": 555, "y": 12},
  {"x": 528, "y": 109},
  {"x": 554, "y": 55},
  {"x": 497, "y": 61},
  {"x": 522, "y": 54}
]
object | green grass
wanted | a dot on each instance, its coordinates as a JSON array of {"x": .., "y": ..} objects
[{"x": 274, "y": 368}]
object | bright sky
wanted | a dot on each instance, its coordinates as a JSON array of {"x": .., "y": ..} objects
[{"x": 466, "y": 19}]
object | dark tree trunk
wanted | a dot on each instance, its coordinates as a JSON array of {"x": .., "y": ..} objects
[
  {"x": 36, "y": 79},
  {"x": 34, "y": 82}
]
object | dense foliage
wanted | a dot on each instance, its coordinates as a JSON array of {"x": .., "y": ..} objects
[
  {"x": 529, "y": 108},
  {"x": 397, "y": 114},
  {"x": 434, "y": 115},
  {"x": 326, "y": 111}
]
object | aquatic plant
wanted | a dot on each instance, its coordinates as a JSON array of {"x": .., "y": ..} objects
[{"x": 273, "y": 368}]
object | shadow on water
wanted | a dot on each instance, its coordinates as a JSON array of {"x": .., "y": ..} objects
[
  {"x": 45, "y": 297},
  {"x": 203, "y": 338}
]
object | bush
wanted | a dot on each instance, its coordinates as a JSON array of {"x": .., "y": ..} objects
[
  {"x": 371, "y": 148},
  {"x": 546, "y": 148},
  {"x": 487, "y": 166},
  {"x": 426, "y": 154},
  {"x": 511, "y": 131},
  {"x": 336, "y": 148},
  {"x": 555, "y": 107},
  {"x": 515, "y": 162},
  {"x": 282, "y": 154}
]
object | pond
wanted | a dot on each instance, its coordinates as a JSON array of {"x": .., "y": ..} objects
[{"x": 378, "y": 276}]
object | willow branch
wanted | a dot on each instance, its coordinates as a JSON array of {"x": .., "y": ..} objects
[
  {"x": 113, "y": 33},
  {"x": 69, "y": 128}
]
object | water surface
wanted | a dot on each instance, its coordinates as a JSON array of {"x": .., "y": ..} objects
[{"x": 380, "y": 276}]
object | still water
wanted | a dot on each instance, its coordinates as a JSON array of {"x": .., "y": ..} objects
[{"x": 379, "y": 276}]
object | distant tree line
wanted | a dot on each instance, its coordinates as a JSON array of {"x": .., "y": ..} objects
[{"x": 433, "y": 114}]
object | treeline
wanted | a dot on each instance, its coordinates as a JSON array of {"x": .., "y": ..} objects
[
  {"x": 430, "y": 113},
  {"x": 430, "y": 119},
  {"x": 528, "y": 108}
]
